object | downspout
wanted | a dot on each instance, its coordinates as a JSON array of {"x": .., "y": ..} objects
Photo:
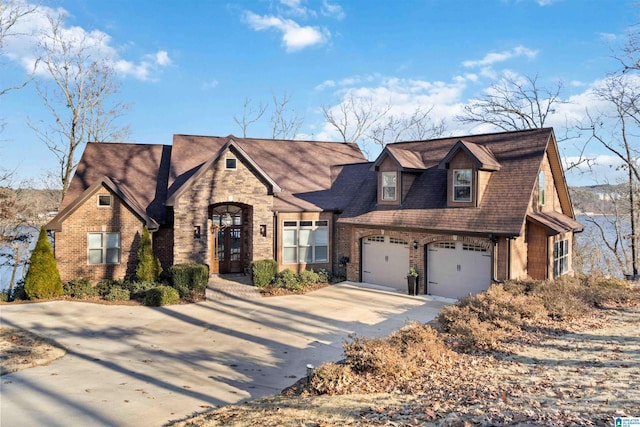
[
  {"x": 275, "y": 235},
  {"x": 509, "y": 257},
  {"x": 494, "y": 259}
]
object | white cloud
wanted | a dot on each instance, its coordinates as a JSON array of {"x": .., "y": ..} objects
[
  {"x": 333, "y": 10},
  {"x": 31, "y": 32},
  {"x": 210, "y": 85},
  {"x": 294, "y": 36},
  {"x": 608, "y": 37},
  {"x": 496, "y": 57}
]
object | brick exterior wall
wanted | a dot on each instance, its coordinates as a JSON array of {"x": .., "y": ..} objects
[
  {"x": 71, "y": 245},
  {"x": 163, "y": 246},
  {"x": 218, "y": 185}
]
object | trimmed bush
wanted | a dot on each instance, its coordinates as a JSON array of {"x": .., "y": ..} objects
[
  {"x": 43, "y": 278},
  {"x": 287, "y": 279},
  {"x": 189, "y": 278},
  {"x": 149, "y": 268},
  {"x": 307, "y": 278},
  {"x": 263, "y": 272},
  {"x": 161, "y": 295},
  {"x": 117, "y": 293},
  {"x": 80, "y": 288}
]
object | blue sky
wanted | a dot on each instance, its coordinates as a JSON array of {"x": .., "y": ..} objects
[{"x": 187, "y": 67}]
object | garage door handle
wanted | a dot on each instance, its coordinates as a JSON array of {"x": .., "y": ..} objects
[
  {"x": 435, "y": 283},
  {"x": 368, "y": 272},
  {"x": 459, "y": 267}
]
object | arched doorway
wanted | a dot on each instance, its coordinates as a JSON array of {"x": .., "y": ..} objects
[{"x": 228, "y": 235}]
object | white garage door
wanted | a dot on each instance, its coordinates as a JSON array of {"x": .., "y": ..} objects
[
  {"x": 385, "y": 261},
  {"x": 456, "y": 269}
]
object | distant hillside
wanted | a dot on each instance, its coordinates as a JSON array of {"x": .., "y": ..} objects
[
  {"x": 596, "y": 199},
  {"x": 28, "y": 205}
]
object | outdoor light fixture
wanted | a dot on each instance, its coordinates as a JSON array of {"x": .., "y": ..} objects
[
  {"x": 415, "y": 244},
  {"x": 263, "y": 230}
]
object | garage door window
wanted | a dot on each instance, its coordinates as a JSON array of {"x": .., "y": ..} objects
[
  {"x": 305, "y": 242},
  {"x": 473, "y": 248}
]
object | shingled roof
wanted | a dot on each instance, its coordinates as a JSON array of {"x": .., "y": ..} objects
[
  {"x": 300, "y": 169},
  {"x": 141, "y": 169},
  {"x": 503, "y": 209}
]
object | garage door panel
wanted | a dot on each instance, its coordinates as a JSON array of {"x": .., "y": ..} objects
[
  {"x": 457, "y": 269},
  {"x": 385, "y": 261}
]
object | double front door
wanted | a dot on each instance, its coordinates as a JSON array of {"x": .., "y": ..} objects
[
  {"x": 227, "y": 237},
  {"x": 229, "y": 250}
]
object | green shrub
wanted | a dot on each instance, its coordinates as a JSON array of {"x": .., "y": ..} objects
[
  {"x": 161, "y": 295},
  {"x": 117, "y": 293},
  {"x": 149, "y": 268},
  {"x": 138, "y": 289},
  {"x": 189, "y": 278},
  {"x": 104, "y": 286},
  {"x": 4, "y": 295},
  {"x": 43, "y": 278},
  {"x": 307, "y": 278},
  {"x": 324, "y": 276},
  {"x": 80, "y": 288},
  {"x": 263, "y": 272},
  {"x": 18, "y": 293},
  {"x": 288, "y": 280}
]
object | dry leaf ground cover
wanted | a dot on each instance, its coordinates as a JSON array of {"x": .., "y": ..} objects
[
  {"x": 20, "y": 349},
  {"x": 523, "y": 354}
]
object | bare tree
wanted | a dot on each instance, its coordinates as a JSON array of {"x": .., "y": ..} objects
[
  {"x": 417, "y": 126},
  {"x": 514, "y": 104},
  {"x": 12, "y": 12},
  {"x": 77, "y": 91},
  {"x": 285, "y": 123},
  {"x": 616, "y": 131},
  {"x": 250, "y": 115}
]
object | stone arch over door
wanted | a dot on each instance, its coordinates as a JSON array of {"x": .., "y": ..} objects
[{"x": 229, "y": 242}]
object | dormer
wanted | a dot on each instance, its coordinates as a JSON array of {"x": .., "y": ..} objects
[
  {"x": 469, "y": 168},
  {"x": 396, "y": 170}
]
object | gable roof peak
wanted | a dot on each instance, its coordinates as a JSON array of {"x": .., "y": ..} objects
[{"x": 482, "y": 156}]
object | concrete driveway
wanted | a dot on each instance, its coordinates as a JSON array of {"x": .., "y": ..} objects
[{"x": 135, "y": 365}]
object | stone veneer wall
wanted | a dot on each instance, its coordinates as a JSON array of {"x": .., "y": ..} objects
[
  {"x": 220, "y": 185},
  {"x": 71, "y": 243}
]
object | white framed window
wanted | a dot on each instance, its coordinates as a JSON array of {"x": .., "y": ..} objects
[
  {"x": 462, "y": 185},
  {"x": 231, "y": 163},
  {"x": 560, "y": 257},
  {"x": 104, "y": 200},
  {"x": 305, "y": 242},
  {"x": 541, "y": 188},
  {"x": 103, "y": 248},
  {"x": 389, "y": 185}
]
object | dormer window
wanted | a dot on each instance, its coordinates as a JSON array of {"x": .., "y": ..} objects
[
  {"x": 462, "y": 185},
  {"x": 389, "y": 186}
]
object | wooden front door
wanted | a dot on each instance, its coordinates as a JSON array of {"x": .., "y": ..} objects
[
  {"x": 230, "y": 249},
  {"x": 227, "y": 233}
]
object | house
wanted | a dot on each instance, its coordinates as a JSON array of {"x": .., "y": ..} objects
[{"x": 464, "y": 211}]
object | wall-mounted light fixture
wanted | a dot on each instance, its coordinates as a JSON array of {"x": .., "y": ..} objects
[
  {"x": 263, "y": 230},
  {"x": 196, "y": 231},
  {"x": 415, "y": 244}
]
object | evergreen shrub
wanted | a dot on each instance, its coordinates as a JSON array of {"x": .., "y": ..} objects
[
  {"x": 149, "y": 268},
  {"x": 189, "y": 278},
  {"x": 43, "y": 278},
  {"x": 161, "y": 295},
  {"x": 263, "y": 272}
]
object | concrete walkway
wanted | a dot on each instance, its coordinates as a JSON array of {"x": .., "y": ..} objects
[{"x": 135, "y": 365}]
